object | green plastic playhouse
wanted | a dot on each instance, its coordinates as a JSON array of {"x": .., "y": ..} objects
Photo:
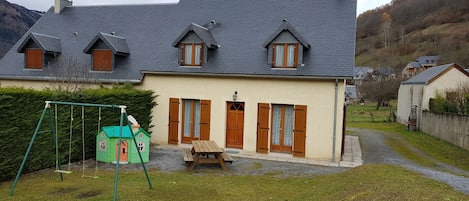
[{"x": 107, "y": 145}]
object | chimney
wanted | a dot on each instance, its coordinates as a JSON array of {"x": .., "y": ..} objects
[{"x": 60, "y": 5}]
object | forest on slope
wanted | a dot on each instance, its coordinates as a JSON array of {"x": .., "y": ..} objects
[
  {"x": 400, "y": 32},
  {"x": 15, "y": 20}
]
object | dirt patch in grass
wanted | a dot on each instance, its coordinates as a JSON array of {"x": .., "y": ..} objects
[
  {"x": 88, "y": 194},
  {"x": 63, "y": 191}
]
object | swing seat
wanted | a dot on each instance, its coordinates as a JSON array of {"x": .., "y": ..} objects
[
  {"x": 94, "y": 177},
  {"x": 63, "y": 171}
]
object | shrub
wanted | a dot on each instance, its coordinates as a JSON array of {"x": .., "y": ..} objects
[{"x": 22, "y": 108}]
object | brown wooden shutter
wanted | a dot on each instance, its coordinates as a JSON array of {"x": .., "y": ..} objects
[
  {"x": 201, "y": 54},
  {"x": 102, "y": 60},
  {"x": 34, "y": 58},
  {"x": 183, "y": 54},
  {"x": 173, "y": 121},
  {"x": 296, "y": 55},
  {"x": 273, "y": 55},
  {"x": 299, "y": 137},
  {"x": 263, "y": 127},
  {"x": 204, "y": 119}
]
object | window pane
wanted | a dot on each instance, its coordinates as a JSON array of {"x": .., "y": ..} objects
[
  {"x": 188, "y": 54},
  {"x": 197, "y": 118},
  {"x": 279, "y": 55},
  {"x": 288, "y": 127},
  {"x": 291, "y": 55},
  {"x": 187, "y": 117},
  {"x": 198, "y": 49},
  {"x": 276, "y": 121}
]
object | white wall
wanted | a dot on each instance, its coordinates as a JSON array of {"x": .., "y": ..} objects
[{"x": 317, "y": 95}]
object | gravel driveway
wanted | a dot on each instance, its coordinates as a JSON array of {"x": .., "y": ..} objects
[{"x": 375, "y": 151}]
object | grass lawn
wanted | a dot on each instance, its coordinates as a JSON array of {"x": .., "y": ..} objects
[{"x": 368, "y": 182}]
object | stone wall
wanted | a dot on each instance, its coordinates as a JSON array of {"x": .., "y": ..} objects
[{"x": 453, "y": 128}]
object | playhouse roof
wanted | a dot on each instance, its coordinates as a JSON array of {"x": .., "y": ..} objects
[{"x": 113, "y": 131}]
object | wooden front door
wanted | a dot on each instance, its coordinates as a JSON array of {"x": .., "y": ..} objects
[
  {"x": 124, "y": 151},
  {"x": 263, "y": 110},
  {"x": 234, "y": 125}
]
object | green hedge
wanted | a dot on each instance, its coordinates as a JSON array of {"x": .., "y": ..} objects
[{"x": 20, "y": 111}]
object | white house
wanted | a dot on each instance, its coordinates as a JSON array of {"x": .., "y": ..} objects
[
  {"x": 261, "y": 76},
  {"x": 418, "y": 90}
]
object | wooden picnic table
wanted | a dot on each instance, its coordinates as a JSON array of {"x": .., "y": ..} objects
[{"x": 201, "y": 152}]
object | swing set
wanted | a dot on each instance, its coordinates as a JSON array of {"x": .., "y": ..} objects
[
  {"x": 57, "y": 155},
  {"x": 53, "y": 121}
]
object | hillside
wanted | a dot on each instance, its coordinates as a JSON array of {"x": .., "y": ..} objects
[
  {"x": 403, "y": 30},
  {"x": 15, "y": 20}
]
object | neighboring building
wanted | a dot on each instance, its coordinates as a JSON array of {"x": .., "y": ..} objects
[
  {"x": 421, "y": 64},
  {"x": 418, "y": 90},
  {"x": 107, "y": 142},
  {"x": 383, "y": 73},
  {"x": 351, "y": 93},
  {"x": 260, "y": 76},
  {"x": 361, "y": 74}
]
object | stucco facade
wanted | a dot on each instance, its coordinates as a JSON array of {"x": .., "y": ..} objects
[{"x": 318, "y": 96}]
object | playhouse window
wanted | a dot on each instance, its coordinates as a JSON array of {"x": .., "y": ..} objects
[
  {"x": 141, "y": 146},
  {"x": 102, "y": 145}
]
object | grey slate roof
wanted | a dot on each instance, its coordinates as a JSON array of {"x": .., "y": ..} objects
[
  {"x": 428, "y": 59},
  {"x": 428, "y": 75},
  {"x": 287, "y": 27},
  {"x": 415, "y": 64},
  {"x": 202, "y": 32},
  {"x": 242, "y": 28},
  {"x": 116, "y": 43},
  {"x": 45, "y": 42}
]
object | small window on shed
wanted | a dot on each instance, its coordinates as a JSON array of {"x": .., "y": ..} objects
[
  {"x": 141, "y": 146},
  {"x": 102, "y": 145}
]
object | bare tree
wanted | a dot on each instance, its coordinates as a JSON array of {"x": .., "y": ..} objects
[
  {"x": 70, "y": 75},
  {"x": 386, "y": 18},
  {"x": 380, "y": 91},
  {"x": 459, "y": 98}
]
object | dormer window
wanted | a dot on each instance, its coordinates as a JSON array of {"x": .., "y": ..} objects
[
  {"x": 102, "y": 60},
  {"x": 39, "y": 50},
  {"x": 192, "y": 54},
  {"x": 33, "y": 58},
  {"x": 285, "y": 47},
  {"x": 105, "y": 49},
  {"x": 193, "y": 45},
  {"x": 285, "y": 55}
]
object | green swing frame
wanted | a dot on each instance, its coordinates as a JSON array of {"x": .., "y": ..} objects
[{"x": 47, "y": 111}]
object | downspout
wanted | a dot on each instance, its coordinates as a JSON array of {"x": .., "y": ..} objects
[{"x": 334, "y": 134}]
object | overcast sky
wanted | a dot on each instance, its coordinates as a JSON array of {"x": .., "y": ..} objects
[{"x": 43, "y": 5}]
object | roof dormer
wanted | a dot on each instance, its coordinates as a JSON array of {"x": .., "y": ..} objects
[
  {"x": 39, "y": 50},
  {"x": 193, "y": 44},
  {"x": 285, "y": 47},
  {"x": 104, "y": 49}
]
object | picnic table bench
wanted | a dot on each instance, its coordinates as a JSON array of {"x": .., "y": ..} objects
[{"x": 201, "y": 152}]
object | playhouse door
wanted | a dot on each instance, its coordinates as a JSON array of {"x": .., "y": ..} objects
[{"x": 124, "y": 151}]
